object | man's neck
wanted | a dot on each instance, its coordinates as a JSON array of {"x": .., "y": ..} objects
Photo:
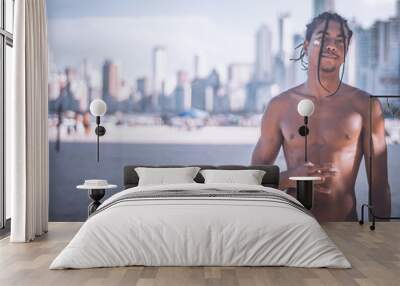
[{"x": 329, "y": 84}]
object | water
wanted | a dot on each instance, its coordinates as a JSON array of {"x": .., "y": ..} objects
[{"x": 76, "y": 162}]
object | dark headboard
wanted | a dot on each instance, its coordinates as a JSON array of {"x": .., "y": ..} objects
[{"x": 270, "y": 179}]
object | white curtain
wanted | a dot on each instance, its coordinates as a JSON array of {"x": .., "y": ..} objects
[{"x": 28, "y": 153}]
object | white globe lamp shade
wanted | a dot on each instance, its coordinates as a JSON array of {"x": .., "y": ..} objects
[
  {"x": 98, "y": 107},
  {"x": 305, "y": 107}
]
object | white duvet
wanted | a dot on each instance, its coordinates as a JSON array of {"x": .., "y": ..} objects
[{"x": 200, "y": 231}]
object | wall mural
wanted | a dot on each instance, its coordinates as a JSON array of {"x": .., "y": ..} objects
[{"x": 219, "y": 83}]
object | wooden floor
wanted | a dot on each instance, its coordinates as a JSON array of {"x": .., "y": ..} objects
[{"x": 374, "y": 255}]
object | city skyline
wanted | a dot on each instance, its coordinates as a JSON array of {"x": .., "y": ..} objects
[
  {"x": 373, "y": 64},
  {"x": 219, "y": 39}
]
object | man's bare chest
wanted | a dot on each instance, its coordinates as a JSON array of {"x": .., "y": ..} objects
[{"x": 330, "y": 125}]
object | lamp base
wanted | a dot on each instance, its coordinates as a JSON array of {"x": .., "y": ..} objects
[
  {"x": 100, "y": 130},
  {"x": 303, "y": 130}
]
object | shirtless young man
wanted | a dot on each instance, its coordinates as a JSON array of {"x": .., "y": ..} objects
[{"x": 339, "y": 128}]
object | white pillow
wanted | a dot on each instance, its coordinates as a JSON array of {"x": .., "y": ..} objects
[
  {"x": 162, "y": 176},
  {"x": 248, "y": 177}
]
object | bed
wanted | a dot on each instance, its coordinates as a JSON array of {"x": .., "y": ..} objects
[{"x": 198, "y": 224}]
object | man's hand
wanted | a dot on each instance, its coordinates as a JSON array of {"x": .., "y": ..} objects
[
  {"x": 310, "y": 169},
  {"x": 306, "y": 169}
]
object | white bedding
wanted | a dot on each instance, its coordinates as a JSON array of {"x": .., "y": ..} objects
[{"x": 200, "y": 231}]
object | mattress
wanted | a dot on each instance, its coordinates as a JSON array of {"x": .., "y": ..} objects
[{"x": 201, "y": 225}]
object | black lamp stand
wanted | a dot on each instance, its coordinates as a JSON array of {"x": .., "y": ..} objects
[
  {"x": 304, "y": 131},
  {"x": 100, "y": 131},
  {"x": 305, "y": 187}
]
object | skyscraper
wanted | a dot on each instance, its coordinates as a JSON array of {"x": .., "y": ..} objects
[
  {"x": 263, "y": 60},
  {"x": 361, "y": 44},
  {"x": 183, "y": 96},
  {"x": 198, "y": 87},
  {"x": 88, "y": 83},
  {"x": 159, "y": 75},
  {"x": 281, "y": 33},
  {"x": 378, "y": 56},
  {"x": 386, "y": 39},
  {"x": 321, "y": 6},
  {"x": 280, "y": 59},
  {"x": 142, "y": 88},
  {"x": 398, "y": 9},
  {"x": 196, "y": 67},
  {"x": 213, "y": 102},
  {"x": 110, "y": 80},
  {"x": 296, "y": 74},
  {"x": 239, "y": 74}
]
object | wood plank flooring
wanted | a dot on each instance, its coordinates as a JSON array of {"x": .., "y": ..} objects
[{"x": 374, "y": 255}]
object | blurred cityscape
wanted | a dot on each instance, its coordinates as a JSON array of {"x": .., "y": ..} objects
[
  {"x": 197, "y": 99},
  {"x": 222, "y": 112}
]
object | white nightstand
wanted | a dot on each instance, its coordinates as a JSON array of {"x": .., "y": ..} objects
[{"x": 96, "y": 193}]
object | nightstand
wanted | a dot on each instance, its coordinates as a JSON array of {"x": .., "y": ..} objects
[
  {"x": 305, "y": 189},
  {"x": 96, "y": 192}
]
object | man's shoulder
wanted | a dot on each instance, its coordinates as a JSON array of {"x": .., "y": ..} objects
[
  {"x": 277, "y": 104},
  {"x": 356, "y": 93},
  {"x": 359, "y": 98},
  {"x": 284, "y": 97}
]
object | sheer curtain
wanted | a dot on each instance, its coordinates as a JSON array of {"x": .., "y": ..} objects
[{"x": 27, "y": 121}]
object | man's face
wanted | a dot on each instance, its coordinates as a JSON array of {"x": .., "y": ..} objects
[{"x": 333, "y": 52}]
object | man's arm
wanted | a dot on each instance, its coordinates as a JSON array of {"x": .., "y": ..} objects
[
  {"x": 374, "y": 145},
  {"x": 270, "y": 141}
]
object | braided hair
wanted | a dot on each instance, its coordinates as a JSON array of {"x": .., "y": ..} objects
[{"x": 324, "y": 17}]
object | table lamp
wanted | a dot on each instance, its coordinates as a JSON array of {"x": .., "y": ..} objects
[{"x": 98, "y": 108}]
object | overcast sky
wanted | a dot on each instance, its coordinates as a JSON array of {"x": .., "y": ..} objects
[{"x": 221, "y": 32}]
